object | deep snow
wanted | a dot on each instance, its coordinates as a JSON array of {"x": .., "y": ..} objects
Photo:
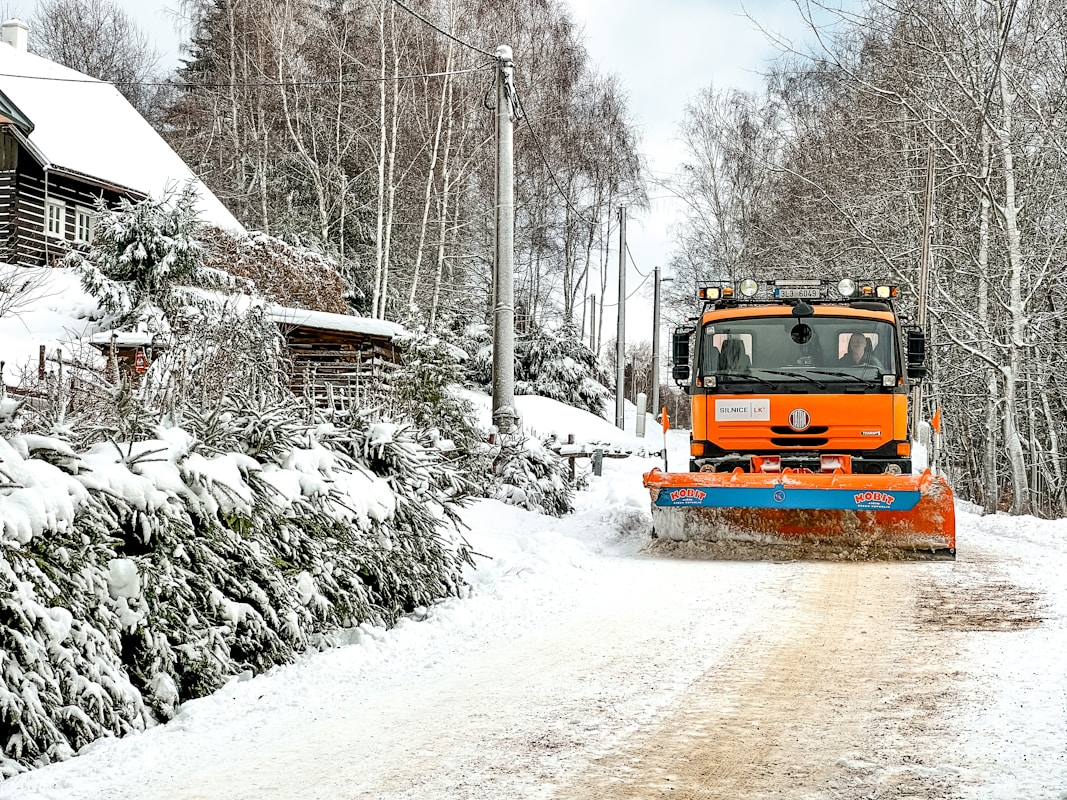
[{"x": 537, "y": 575}]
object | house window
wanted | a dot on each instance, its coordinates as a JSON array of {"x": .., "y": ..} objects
[
  {"x": 56, "y": 219},
  {"x": 83, "y": 225}
]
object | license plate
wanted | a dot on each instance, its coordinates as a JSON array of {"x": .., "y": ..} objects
[{"x": 798, "y": 292}]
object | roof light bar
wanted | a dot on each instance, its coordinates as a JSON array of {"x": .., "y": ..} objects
[{"x": 798, "y": 288}]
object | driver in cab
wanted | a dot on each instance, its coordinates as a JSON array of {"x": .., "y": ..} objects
[{"x": 858, "y": 353}]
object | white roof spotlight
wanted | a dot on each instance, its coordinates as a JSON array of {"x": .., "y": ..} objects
[
  {"x": 846, "y": 287},
  {"x": 749, "y": 287}
]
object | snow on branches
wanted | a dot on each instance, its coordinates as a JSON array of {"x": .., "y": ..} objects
[
  {"x": 200, "y": 521},
  {"x": 142, "y": 574}
]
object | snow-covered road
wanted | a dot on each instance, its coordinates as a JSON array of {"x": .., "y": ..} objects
[
  {"x": 580, "y": 668},
  {"x": 517, "y": 715}
]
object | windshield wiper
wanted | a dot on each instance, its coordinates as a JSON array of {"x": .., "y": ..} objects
[
  {"x": 742, "y": 376},
  {"x": 792, "y": 374},
  {"x": 850, "y": 375}
]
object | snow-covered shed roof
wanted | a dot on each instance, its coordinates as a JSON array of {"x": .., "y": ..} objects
[
  {"x": 282, "y": 315},
  {"x": 84, "y": 126},
  {"x": 323, "y": 320}
]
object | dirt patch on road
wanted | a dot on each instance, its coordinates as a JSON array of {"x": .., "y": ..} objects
[
  {"x": 978, "y": 603},
  {"x": 844, "y": 697}
]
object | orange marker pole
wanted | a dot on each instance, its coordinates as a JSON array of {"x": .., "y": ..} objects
[{"x": 666, "y": 427}]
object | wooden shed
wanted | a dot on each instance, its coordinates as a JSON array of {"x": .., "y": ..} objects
[
  {"x": 337, "y": 355},
  {"x": 334, "y": 356}
]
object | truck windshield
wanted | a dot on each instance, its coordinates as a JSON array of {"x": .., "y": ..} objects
[{"x": 819, "y": 349}]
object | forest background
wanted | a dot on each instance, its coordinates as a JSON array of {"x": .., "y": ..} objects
[{"x": 361, "y": 130}]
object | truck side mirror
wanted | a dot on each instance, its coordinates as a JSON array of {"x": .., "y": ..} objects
[
  {"x": 680, "y": 355},
  {"x": 916, "y": 354}
]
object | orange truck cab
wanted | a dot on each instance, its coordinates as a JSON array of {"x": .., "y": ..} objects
[{"x": 799, "y": 375}]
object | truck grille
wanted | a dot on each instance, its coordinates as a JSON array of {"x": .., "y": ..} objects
[
  {"x": 799, "y": 441},
  {"x": 811, "y": 430}
]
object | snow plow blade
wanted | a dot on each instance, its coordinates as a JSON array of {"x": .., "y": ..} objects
[{"x": 802, "y": 515}]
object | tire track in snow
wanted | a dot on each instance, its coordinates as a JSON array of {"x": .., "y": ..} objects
[
  {"x": 516, "y": 717},
  {"x": 844, "y": 697}
]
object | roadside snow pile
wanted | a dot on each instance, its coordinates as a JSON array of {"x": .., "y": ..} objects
[{"x": 1040, "y": 533}]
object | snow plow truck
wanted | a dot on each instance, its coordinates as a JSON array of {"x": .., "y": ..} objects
[{"x": 800, "y": 443}]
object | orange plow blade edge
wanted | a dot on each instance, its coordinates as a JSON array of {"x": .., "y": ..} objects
[{"x": 804, "y": 515}]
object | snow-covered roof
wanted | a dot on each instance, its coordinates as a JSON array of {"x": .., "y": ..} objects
[
  {"x": 86, "y": 126},
  {"x": 124, "y": 338},
  {"x": 320, "y": 320},
  {"x": 326, "y": 321}
]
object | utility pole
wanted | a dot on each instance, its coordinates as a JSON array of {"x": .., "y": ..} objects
[
  {"x": 620, "y": 336},
  {"x": 592, "y": 323},
  {"x": 655, "y": 339},
  {"x": 504, "y": 416},
  {"x": 924, "y": 280}
]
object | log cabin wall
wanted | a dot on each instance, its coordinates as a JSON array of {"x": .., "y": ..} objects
[
  {"x": 33, "y": 246},
  {"x": 24, "y": 192},
  {"x": 8, "y": 205}
]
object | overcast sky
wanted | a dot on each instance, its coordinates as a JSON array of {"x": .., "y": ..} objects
[{"x": 665, "y": 52}]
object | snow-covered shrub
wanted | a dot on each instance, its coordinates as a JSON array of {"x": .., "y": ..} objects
[
  {"x": 561, "y": 367},
  {"x": 528, "y": 474},
  {"x": 177, "y": 563},
  {"x": 424, "y": 394},
  {"x": 555, "y": 365},
  {"x": 422, "y": 556},
  {"x": 476, "y": 341},
  {"x": 259, "y": 550},
  {"x": 143, "y": 257},
  {"x": 522, "y": 471},
  {"x": 62, "y": 680}
]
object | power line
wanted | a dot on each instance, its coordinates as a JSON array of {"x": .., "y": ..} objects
[
  {"x": 644, "y": 280},
  {"x": 551, "y": 172},
  {"x": 443, "y": 31},
  {"x": 634, "y": 263},
  {"x": 252, "y": 84}
]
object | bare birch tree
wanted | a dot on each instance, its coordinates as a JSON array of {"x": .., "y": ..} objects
[{"x": 98, "y": 38}]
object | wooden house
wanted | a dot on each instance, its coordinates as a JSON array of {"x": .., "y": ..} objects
[{"x": 68, "y": 141}]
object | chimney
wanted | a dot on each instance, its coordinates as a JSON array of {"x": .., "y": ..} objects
[{"x": 15, "y": 34}]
